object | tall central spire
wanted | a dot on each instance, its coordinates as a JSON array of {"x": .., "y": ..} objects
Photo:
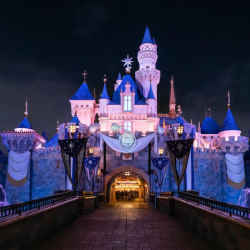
[{"x": 172, "y": 102}]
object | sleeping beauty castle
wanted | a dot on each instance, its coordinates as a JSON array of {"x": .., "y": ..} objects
[{"x": 131, "y": 147}]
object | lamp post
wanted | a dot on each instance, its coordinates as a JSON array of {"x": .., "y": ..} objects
[
  {"x": 179, "y": 149},
  {"x": 73, "y": 146}
]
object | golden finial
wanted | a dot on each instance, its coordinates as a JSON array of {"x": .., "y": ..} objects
[
  {"x": 199, "y": 127},
  {"x": 57, "y": 125},
  {"x": 228, "y": 99},
  {"x": 172, "y": 79},
  {"x": 209, "y": 112},
  {"x": 105, "y": 78},
  {"x": 84, "y": 75},
  {"x": 26, "y": 108}
]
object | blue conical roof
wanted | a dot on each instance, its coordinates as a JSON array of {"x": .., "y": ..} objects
[
  {"x": 147, "y": 36},
  {"x": 119, "y": 77},
  {"x": 169, "y": 120},
  {"x": 52, "y": 142},
  {"x": 25, "y": 123},
  {"x": 82, "y": 93},
  {"x": 75, "y": 119},
  {"x": 104, "y": 94},
  {"x": 139, "y": 99},
  {"x": 229, "y": 122},
  {"x": 151, "y": 93},
  {"x": 44, "y": 135},
  {"x": 209, "y": 126}
]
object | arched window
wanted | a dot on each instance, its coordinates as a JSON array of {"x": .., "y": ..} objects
[
  {"x": 127, "y": 126},
  {"x": 127, "y": 104}
]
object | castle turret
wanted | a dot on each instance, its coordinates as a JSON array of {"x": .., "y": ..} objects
[
  {"x": 25, "y": 122},
  {"x": 118, "y": 81},
  {"x": 104, "y": 100},
  {"x": 209, "y": 125},
  {"x": 152, "y": 103},
  {"x": 230, "y": 127},
  {"x": 83, "y": 103},
  {"x": 147, "y": 58}
]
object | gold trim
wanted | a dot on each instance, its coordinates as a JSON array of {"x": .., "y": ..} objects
[
  {"x": 236, "y": 185},
  {"x": 16, "y": 183}
]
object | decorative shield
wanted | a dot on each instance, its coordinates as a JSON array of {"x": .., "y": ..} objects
[
  {"x": 179, "y": 149},
  {"x": 160, "y": 163},
  {"x": 91, "y": 169},
  {"x": 127, "y": 139}
]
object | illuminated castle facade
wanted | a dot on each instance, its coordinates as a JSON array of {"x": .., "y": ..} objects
[
  {"x": 133, "y": 105},
  {"x": 215, "y": 168}
]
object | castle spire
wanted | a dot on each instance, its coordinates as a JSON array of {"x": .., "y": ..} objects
[
  {"x": 26, "y": 108},
  {"x": 84, "y": 75},
  {"x": 209, "y": 112},
  {"x": 172, "y": 102},
  {"x": 104, "y": 94},
  {"x": 57, "y": 125},
  {"x": 147, "y": 36},
  {"x": 199, "y": 127},
  {"x": 228, "y": 99}
]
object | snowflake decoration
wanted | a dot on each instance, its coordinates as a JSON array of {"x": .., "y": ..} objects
[{"x": 127, "y": 62}]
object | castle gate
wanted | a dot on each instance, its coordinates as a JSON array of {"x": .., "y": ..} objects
[{"x": 127, "y": 183}]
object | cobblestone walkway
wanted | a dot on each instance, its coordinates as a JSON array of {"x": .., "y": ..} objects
[{"x": 127, "y": 226}]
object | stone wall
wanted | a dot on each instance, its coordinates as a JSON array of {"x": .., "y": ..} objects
[
  {"x": 23, "y": 232},
  {"x": 48, "y": 177},
  {"x": 221, "y": 231},
  {"x": 3, "y": 168},
  {"x": 210, "y": 178}
]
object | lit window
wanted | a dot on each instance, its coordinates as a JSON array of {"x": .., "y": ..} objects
[
  {"x": 127, "y": 126},
  {"x": 127, "y": 104}
]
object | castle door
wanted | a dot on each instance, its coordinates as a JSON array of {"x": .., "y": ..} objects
[{"x": 127, "y": 186}]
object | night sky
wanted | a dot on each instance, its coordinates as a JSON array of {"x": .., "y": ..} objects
[{"x": 46, "y": 45}]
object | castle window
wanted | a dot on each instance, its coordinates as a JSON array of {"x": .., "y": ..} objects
[
  {"x": 127, "y": 126},
  {"x": 127, "y": 104}
]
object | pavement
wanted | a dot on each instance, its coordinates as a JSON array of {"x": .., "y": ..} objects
[{"x": 124, "y": 226}]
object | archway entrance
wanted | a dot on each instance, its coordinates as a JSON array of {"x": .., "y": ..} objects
[{"x": 127, "y": 185}]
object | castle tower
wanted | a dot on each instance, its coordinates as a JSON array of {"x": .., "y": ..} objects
[
  {"x": 147, "y": 58},
  {"x": 172, "y": 101},
  {"x": 230, "y": 127},
  {"x": 118, "y": 81},
  {"x": 83, "y": 103},
  {"x": 25, "y": 122},
  {"x": 152, "y": 103},
  {"x": 104, "y": 100}
]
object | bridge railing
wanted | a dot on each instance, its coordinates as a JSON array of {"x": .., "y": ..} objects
[
  {"x": 18, "y": 209},
  {"x": 214, "y": 204}
]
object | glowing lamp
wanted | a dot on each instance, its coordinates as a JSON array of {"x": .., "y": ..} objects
[
  {"x": 180, "y": 130},
  {"x": 72, "y": 128},
  {"x": 93, "y": 128},
  {"x": 91, "y": 151},
  {"x": 160, "y": 151}
]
